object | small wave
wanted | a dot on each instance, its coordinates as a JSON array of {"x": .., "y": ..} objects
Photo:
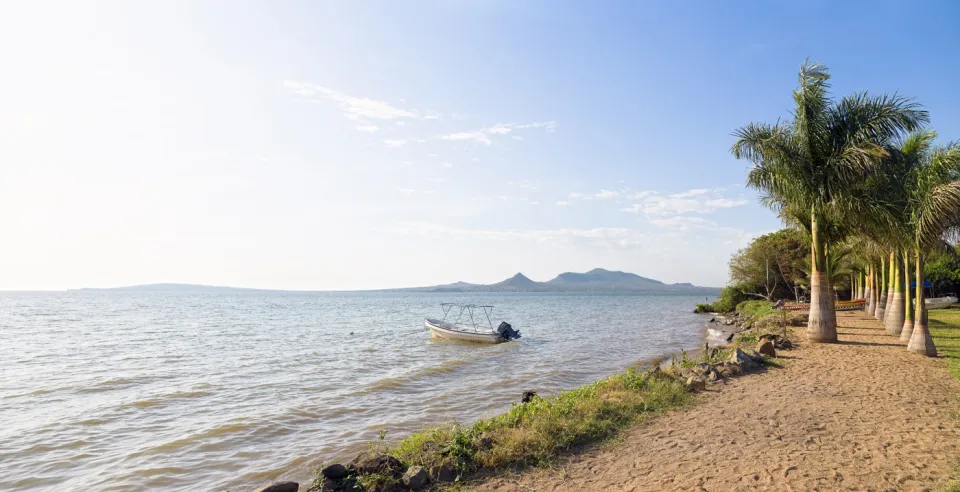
[
  {"x": 386, "y": 384},
  {"x": 215, "y": 432},
  {"x": 111, "y": 384},
  {"x": 164, "y": 399}
]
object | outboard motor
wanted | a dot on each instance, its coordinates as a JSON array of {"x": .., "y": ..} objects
[{"x": 507, "y": 332}]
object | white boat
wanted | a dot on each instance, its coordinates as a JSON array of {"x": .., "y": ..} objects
[
  {"x": 940, "y": 302},
  {"x": 465, "y": 327}
]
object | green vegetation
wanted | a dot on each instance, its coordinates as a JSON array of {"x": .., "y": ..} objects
[
  {"x": 533, "y": 433},
  {"x": 728, "y": 299},
  {"x": 945, "y": 329},
  {"x": 943, "y": 270},
  {"x": 768, "y": 266}
]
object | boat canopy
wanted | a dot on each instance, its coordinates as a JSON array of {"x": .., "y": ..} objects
[
  {"x": 467, "y": 309},
  {"x": 926, "y": 284}
]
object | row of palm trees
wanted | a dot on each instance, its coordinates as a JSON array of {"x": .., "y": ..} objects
[{"x": 861, "y": 174}]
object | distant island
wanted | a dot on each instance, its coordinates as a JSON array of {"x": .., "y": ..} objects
[{"x": 596, "y": 280}]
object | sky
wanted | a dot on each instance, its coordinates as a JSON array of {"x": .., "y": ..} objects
[{"x": 378, "y": 144}]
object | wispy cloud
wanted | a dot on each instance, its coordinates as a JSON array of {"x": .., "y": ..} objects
[
  {"x": 605, "y": 194},
  {"x": 697, "y": 201},
  {"x": 485, "y": 135},
  {"x": 394, "y": 143},
  {"x": 563, "y": 203},
  {"x": 358, "y": 108},
  {"x": 406, "y": 191},
  {"x": 368, "y": 128},
  {"x": 447, "y": 165},
  {"x": 478, "y": 136}
]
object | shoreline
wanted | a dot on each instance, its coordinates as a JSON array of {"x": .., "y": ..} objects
[{"x": 661, "y": 361}]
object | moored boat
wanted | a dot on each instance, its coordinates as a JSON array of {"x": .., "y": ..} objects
[
  {"x": 940, "y": 302},
  {"x": 465, "y": 327}
]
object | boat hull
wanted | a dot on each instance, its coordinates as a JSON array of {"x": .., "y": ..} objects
[
  {"x": 940, "y": 302},
  {"x": 439, "y": 329}
]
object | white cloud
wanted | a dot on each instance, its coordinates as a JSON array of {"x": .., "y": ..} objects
[
  {"x": 447, "y": 165},
  {"x": 563, "y": 204},
  {"x": 694, "y": 192},
  {"x": 368, "y": 128},
  {"x": 406, "y": 191},
  {"x": 478, "y": 136},
  {"x": 395, "y": 143},
  {"x": 697, "y": 201},
  {"x": 401, "y": 123},
  {"x": 483, "y": 135},
  {"x": 352, "y": 106},
  {"x": 475, "y": 159},
  {"x": 432, "y": 115},
  {"x": 575, "y": 195},
  {"x": 604, "y": 194}
]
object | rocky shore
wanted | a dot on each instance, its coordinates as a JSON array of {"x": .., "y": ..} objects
[{"x": 436, "y": 463}]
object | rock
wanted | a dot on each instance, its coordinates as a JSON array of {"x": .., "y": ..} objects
[
  {"x": 280, "y": 487},
  {"x": 334, "y": 472},
  {"x": 728, "y": 369},
  {"x": 744, "y": 361},
  {"x": 713, "y": 376},
  {"x": 483, "y": 442},
  {"x": 415, "y": 478},
  {"x": 696, "y": 384},
  {"x": 443, "y": 473},
  {"x": 528, "y": 396},
  {"x": 382, "y": 464},
  {"x": 779, "y": 342},
  {"x": 328, "y": 485},
  {"x": 755, "y": 356},
  {"x": 765, "y": 347}
]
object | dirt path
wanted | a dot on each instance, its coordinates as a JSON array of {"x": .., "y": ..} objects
[{"x": 863, "y": 414}]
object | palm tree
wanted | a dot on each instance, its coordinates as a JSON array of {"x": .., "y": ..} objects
[
  {"x": 813, "y": 161},
  {"x": 933, "y": 210}
]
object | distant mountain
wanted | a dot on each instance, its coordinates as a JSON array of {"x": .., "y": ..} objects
[
  {"x": 183, "y": 288},
  {"x": 596, "y": 280}
]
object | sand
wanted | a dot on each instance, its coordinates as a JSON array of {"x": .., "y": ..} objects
[{"x": 863, "y": 414}]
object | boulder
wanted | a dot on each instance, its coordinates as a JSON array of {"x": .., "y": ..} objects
[
  {"x": 443, "y": 473},
  {"x": 765, "y": 347},
  {"x": 415, "y": 478},
  {"x": 696, "y": 384},
  {"x": 528, "y": 396},
  {"x": 382, "y": 464},
  {"x": 335, "y": 471},
  {"x": 743, "y": 361},
  {"x": 755, "y": 356},
  {"x": 779, "y": 342},
  {"x": 280, "y": 487},
  {"x": 328, "y": 485}
]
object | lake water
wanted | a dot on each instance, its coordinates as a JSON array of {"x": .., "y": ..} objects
[{"x": 134, "y": 391}]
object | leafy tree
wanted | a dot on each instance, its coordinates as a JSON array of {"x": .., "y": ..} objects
[
  {"x": 815, "y": 161},
  {"x": 769, "y": 264},
  {"x": 943, "y": 271}
]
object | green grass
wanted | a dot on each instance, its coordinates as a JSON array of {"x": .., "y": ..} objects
[
  {"x": 945, "y": 329},
  {"x": 533, "y": 433},
  {"x": 756, "y": 308}
]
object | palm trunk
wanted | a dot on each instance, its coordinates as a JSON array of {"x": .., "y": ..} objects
[
  {"x": 890, "y": 282},
  {"x": 882, "y": 303},
  {"x": 920, "y": 340},
  {"x": 895, "y": 315},
  {"x": 822, "y": 326},
  {"x": 868, "y": 304},
  {"x": 907, "y": 330}
]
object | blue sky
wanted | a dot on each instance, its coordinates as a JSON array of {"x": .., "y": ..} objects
[{"x": 351, "y": 145}]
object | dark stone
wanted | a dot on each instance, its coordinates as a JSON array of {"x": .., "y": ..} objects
[
  {"x": 328, "y": 485},
  {"x": 765, "y": 347},
  {"x": 443, "y": 473},
  {"x": 696, "y": 384},
  {"x": 280, "y": 487},
  {"x": 335, "y": 471},
  {"x": 528, "y": 396},
  {"x": 484, "y": 442},
  {"x": 743, "y": 361},
  {"x": 382, "y": 464},
  {"x": 415, "y": 478}
]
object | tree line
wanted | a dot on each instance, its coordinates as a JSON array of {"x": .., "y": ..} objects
[{"x": 870, "y": 196}]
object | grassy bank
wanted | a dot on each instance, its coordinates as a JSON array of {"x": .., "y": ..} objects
[
  {"x": 944, "y": 327},
  {"x": 533, "y": 433}
]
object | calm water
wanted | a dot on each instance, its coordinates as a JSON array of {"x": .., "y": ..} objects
[{"x": 117, "y": 391}]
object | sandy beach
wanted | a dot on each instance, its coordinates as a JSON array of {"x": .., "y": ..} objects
[{"x": 862, "y": 414}]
